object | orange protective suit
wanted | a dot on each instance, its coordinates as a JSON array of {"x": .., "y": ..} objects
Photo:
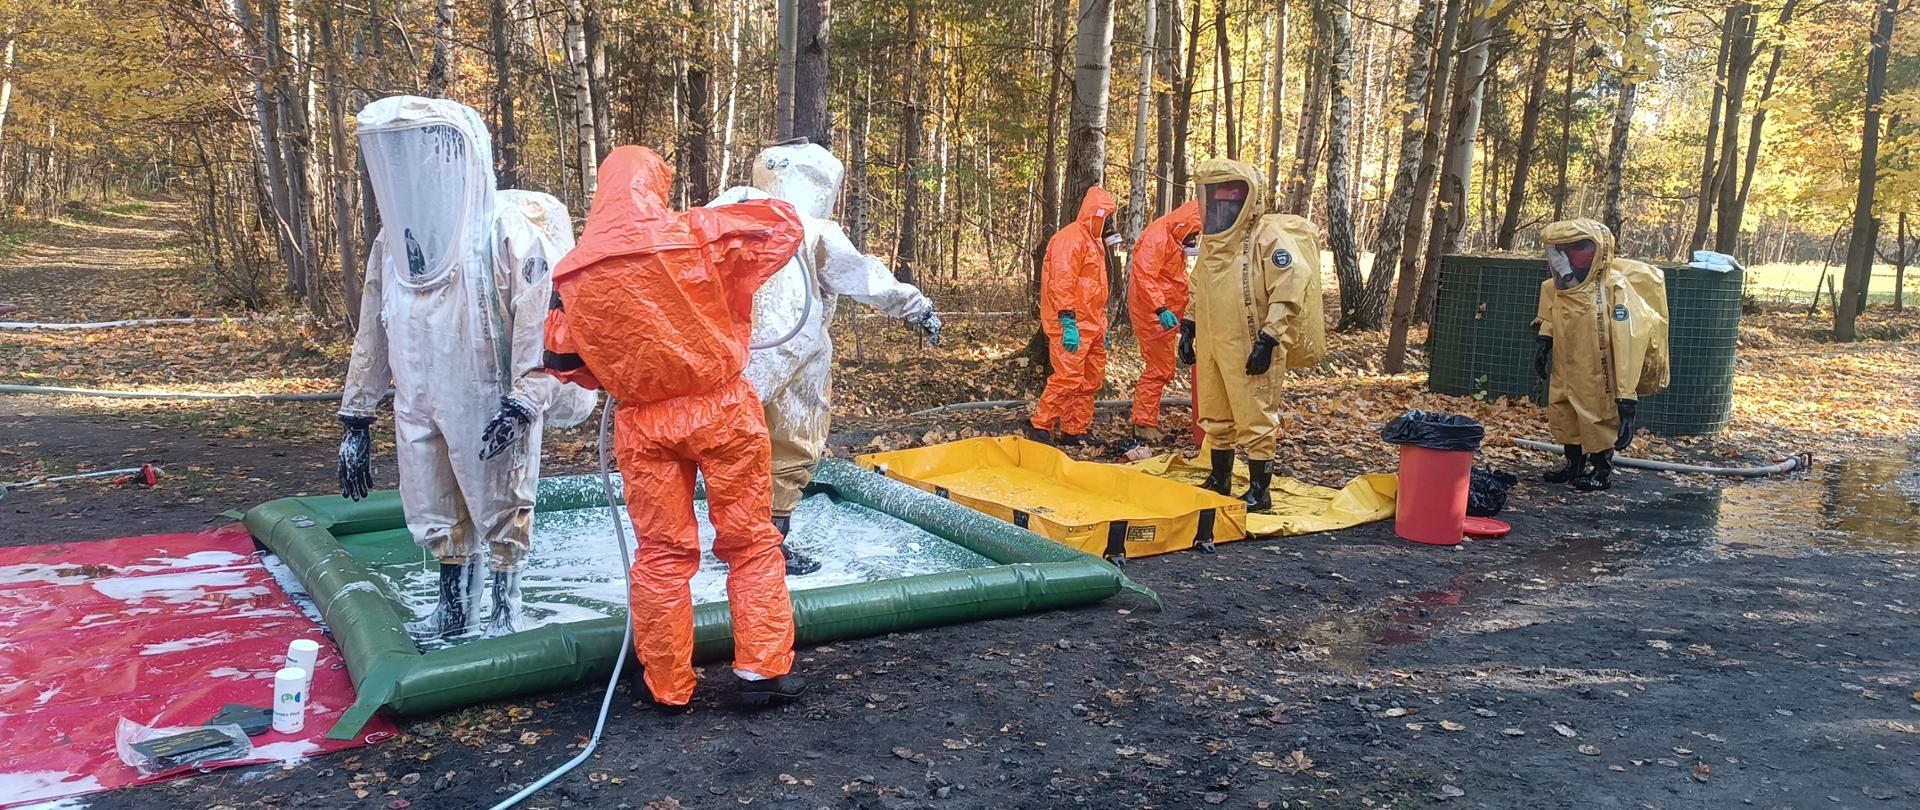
[
  {"x": 656, "y": 307},
  {"x": 1158, "y": 280},
  {"x": 1073, "y": 279}
]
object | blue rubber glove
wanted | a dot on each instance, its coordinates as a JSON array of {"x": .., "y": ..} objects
[
  {"x": 1168, "y": 320},
  {"x": 1069, "y": 333}
]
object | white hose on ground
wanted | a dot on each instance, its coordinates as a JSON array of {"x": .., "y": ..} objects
[
  {"x": 1803, "y": 461},
  {"x": 626, "y": 633},
  {"x": 806, "y": 309},
  {"x": 320, "y": 396},
  {"x": 954, "y": 315},
  {"x": 1010, "y": 403},
  {"x": 32, "y": 325}
]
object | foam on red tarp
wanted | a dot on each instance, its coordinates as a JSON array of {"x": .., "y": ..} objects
[{"x": 163, "y": 630}]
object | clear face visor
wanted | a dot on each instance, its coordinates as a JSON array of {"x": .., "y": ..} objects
[
  {"x": 420, "y": 179},
  {"x": 1571, "y": 262},
  {"x": 1222, "y": 204}
]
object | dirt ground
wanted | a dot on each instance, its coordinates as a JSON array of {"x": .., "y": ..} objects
[{"x": 1674, "y": 643}]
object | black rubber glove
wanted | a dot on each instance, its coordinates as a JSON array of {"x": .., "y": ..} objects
[
  {"x": 356, "y": 457},
  {"x": 505, "y": 429},
  {"x": 1261, "y": 358},
  {"x": 1542, "y": 356},
  {"x": 1185, "y": 350},
  {"x": 929, "y": 323},
  {"x": 1629, "y": 408}
]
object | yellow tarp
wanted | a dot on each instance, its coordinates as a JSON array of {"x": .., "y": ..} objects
[
  {"x": 1298, "y": 507},
  {"x": 1106, "y": 509}
]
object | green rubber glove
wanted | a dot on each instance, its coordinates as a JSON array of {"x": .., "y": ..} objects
[
  {"x": 1168, "y": 320},
  {"x": 1069, "y": 333}
]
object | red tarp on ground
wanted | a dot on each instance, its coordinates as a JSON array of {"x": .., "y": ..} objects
[{"x": 163, "y": 630}]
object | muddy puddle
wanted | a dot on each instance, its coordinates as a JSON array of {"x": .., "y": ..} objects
[{"x": 1843, "y": 503}]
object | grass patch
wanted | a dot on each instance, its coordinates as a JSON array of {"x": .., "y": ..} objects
[
  {"x": 13, "y": 234},
  {"x": 128, "y": 207},
  {"x": 1790, "y": 283}
]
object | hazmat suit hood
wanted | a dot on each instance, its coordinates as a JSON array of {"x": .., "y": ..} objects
[
  {"x": 1186, "y": 221},
  {"x": 802, "y": 173},
  {"x": 1232, "y": 197},
  {"x": 431, "y": 164},
  {"x": 1095, "y": 209},
  {"x": 1559, "y": 235},
  {"x": 630, "y": 212}
]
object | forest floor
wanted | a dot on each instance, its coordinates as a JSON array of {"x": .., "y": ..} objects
[{"x": 1675, "y": 642}]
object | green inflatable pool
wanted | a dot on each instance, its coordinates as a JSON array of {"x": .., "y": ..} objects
[{"x": 353, "y": 560}]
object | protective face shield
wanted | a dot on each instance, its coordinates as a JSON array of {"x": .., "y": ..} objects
[
  {"x": 1223, "y": 205},
  {"x": 802, "y": 173},
  {"x": 1191, "y": 245},
  {"x": 1571, "y": 262},
  {"x": 422, "y": 183},
  {"x": 1109, "y": 235}
]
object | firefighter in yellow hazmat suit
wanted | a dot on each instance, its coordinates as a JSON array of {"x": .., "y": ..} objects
[
  {"x": 1255, "y": 312},
  {"x": 1603, "y": 332}
]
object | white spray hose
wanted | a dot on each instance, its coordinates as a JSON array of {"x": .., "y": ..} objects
[
  {"x": 806, "y": 307},
  {"x": 626, "y": 635}
]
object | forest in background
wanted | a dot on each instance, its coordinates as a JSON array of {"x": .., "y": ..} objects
[{"x": 970, "y": 128}]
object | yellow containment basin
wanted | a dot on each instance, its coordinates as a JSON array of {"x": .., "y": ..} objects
[
  {"x": 1110, "y": 510},
  {"x": 1298, "y": 507}
]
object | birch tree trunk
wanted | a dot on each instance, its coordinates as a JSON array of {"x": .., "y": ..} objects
[
  {"x": 1463, "y": 128},
  {"x": 1413, "y": 131},
  {"x": 1306, "y": 152},
  {"x": 1183, "y": 104},
  {"x": 857, "y": 205},
  {"x": 6, "y": 101},
  {"x": 343, "y": 232},
  {"x": 1277, "y": 124},
  {"x": 1087, "y": 118},
  {"x": 1143, "y": 108},
  {"x": 1354, "y": 310},
  {"x": 440, "y": 73},
  {"x": 584, "y": 134},
  {"x": 1523, "y": 150},
  {"x": 1613, "y": 217},
  {"x": 1406, "y": 292}
]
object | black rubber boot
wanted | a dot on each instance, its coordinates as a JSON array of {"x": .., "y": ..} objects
[
  {"x": 798, "y": 563},
  {"x": 1221, "y": 478},
  {"x": 1077, "y": 440},
  {"x": 773, "y": 691},
  {"x": 1259, "y": 479},
  {"x": 1576, "y": 466},
  {"x": 1035, "y": 434},
  {"x": 449, "y": 618},
  {"x": 1600, "y": 476},
  {"x": 505, "y": 616}
]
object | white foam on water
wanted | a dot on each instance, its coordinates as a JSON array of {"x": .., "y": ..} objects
[
  {"x": 185, "y": 644},
  {"x": 187, "y": 586},
  {"x": 575, "y": 575},
  {"x": 26, "y": 786},
  {"x": 198, "y": 559},
  {"x": 290, "y": 585}
]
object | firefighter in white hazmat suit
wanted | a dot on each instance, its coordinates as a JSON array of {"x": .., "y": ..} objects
[
  {"x": 452, "y": 314},
  {"x": 794, "y": 378}
]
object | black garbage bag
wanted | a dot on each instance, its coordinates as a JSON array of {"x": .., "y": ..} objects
[
  {"x": 1487, "y": 493},
  {"x": 1434, "y": 431}
]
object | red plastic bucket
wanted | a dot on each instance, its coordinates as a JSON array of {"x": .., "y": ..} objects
[{"x": 1432, "y": 504}]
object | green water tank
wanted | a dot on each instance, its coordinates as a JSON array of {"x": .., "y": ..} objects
[
  {"x": 1481, "y": 344},
  {"x": 1703, "y": 333}
]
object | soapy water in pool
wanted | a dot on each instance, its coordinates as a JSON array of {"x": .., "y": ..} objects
[{"x": 574, "y": 572}]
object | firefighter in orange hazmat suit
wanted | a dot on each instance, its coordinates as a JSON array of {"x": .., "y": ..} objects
[
  {"x": 1073, "y": 314},
  {"x": 1156, "y": 301},
  {"x": 656, "y": 307}
]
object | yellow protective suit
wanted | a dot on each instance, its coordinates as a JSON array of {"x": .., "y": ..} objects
[
  {"x": 1257, "y": 273},
  {"x": 1609, "y": 334}
]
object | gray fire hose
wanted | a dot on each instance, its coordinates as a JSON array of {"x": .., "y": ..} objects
[{"x": 1802, "y": 461}]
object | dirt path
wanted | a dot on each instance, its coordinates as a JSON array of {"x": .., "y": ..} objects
[{"x": 123, "y": 262}]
